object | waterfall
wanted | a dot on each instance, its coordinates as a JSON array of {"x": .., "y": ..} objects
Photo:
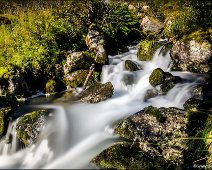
[{"x": 79, "y": 132}]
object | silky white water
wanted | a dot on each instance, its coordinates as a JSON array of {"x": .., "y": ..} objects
[{"x": 76, "y": 133}]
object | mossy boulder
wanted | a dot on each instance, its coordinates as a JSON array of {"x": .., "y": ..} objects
[
  {"x": 165, "y": 79},
  {"x": 77, "y": 78},
  {"x": 130, "y": 65},
  {"x": 128, "y": 155},
  {"x": 154, "y": 139},
  {"x": 146, "y": 49},
  {"x": 4, "y": 115},
  {"x": 157, "y": 77},
  {"x": 97, "y": 93},
  {"x": 78, "y": 60},
  {"x": 29, "y": 126}
]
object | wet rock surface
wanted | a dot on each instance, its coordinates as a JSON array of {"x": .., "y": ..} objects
[
  {"x": 96, "y": 93},
  {"x": 30, "y": 125}
]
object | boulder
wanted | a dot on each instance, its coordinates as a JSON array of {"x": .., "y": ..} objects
[
  {"x": 165, "y": 79},
  {"x": 155, "y": 139},
  {"x": 192, "y": 56},
  {"x": 157, "y": 77},
  {"x": 150, "y": 24},
  {"x": 95, "y": 43},
  {"x": 29, "y": 126},
  {"x": 77, "y": 61},
  {"x": 97, "y": 92},
  {"x": 77, "y": 78}
]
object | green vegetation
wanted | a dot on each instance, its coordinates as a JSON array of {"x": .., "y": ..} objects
[
  {"x": 50, "y": 86},
  {"x": 146, "y": 49}
]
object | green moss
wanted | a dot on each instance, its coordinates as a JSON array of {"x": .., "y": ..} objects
[
  {"x": 180, "y": 22},
  {"x": 146, "y": 49},
  {"x": 4, "y": 113},
  {"x": 157, "y": 77},
  {"x": 130, "y": 65},
  {"x": 156, "y": 113},
  {"x": 50, "y": 87},
  {"x": 127, "y": 155},
  {"x": 200, "y": 36}
]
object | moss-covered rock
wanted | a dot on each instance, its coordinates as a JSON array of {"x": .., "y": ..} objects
[
  {"x": 193, "y": 104},
  {"x": 130, "y": 65},
  {"x": 157, "y": 77},
  {"x": 4, "y": 114},
  {"x": 77, "y": 78},
  {"x": 78, "y": 60},
  {"x": 30, "y": 125},
  {"x": 155, "y": 140},
  {"x": 51, "y": 87},
  {"x": 146, "y": 49},
  {"x": 97, "y": 93},
  {"x": 128, "y": 155}
]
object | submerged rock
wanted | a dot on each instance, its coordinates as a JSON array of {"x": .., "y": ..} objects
[
  {"x": 97, "y": 93},
  {"x": 192, "y": 56},
  {"x": 29, "y": 126}
]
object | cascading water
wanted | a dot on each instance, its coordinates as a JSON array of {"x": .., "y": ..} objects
[{"x": 78, "y": 132}]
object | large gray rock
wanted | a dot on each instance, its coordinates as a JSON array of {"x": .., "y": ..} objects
[
  {"x": 155, "y": 139},
  {"x": 95, "y": 42},
  {"x": 97, "y": 93},
  {"x": 149, "y": 24},
  {"x": 77, "y": 61},
  {"x": 192, "y": 56}
]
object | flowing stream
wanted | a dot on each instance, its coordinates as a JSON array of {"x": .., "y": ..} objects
[{"x": 78, "y": 132}]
